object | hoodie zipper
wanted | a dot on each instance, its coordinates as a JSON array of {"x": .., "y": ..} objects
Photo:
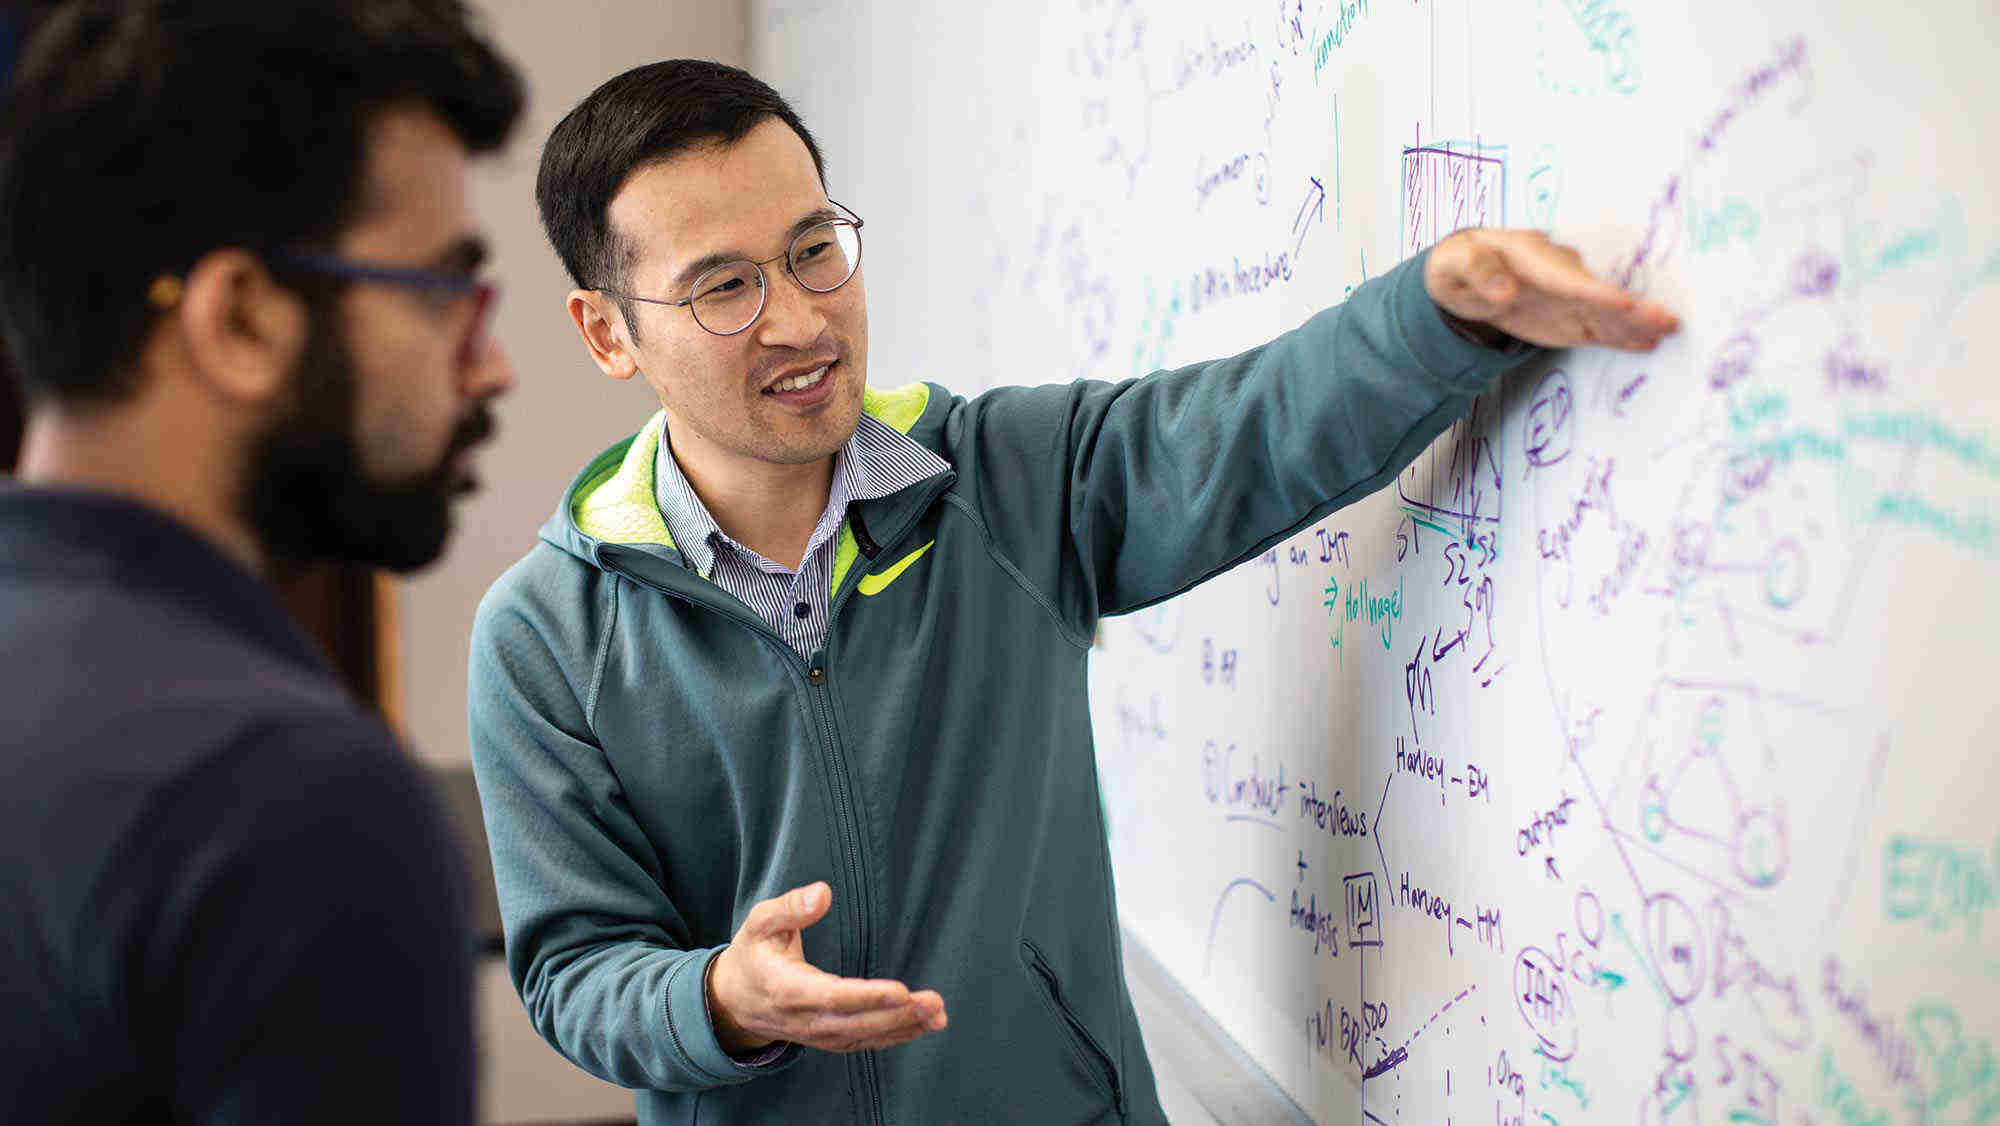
[
  {"x": 846, "y": 821},
  {"x": 849, "y": 820},
  {"x": 817, "y": 676}
]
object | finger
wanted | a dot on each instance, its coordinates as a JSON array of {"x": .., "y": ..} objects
[
  {"x": 1638, "y": 329},
  {"x": 1557, "y": 270},
  {"x": 1657, "y": 318},
  {"x": 933, "y": 1006},
  {"x": 853, "y": 1032},
  {"x": 1585, "y": 328},
  {"x": 1559, "y": 303},
  {"x": 1567, "y": 320},
  {"x": 795, "y": 910},
  {"x": 930, "y": 1008},
  {"x": 1557, "y": 277},
  {"x": 799, "y": 987},
  {"x": 1623, "y": 333}
]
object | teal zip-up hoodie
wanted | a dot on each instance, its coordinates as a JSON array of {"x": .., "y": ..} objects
[{"x": 654, "y": 760}]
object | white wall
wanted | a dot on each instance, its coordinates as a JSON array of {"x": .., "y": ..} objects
[{"x": 563, "y": 411}]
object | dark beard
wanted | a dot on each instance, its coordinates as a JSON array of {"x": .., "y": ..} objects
[{"x": 310, "y": 500}]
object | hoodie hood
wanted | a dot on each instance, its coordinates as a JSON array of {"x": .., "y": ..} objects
[{"x": 612, "y": 503}]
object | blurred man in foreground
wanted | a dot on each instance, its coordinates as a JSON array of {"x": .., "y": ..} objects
[{"x": 239, "y": 284}]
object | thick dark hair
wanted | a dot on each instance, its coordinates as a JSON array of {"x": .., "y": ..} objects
[
  {"x": 140, "y": 135},
  {"x": 645, "y": 115}
]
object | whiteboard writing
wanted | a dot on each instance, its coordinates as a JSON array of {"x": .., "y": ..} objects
[{"x": 1630, "y": 757}]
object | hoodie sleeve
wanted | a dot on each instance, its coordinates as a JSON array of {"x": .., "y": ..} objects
[
  {"x": 596, "y": 948},
  {"x": 1110, "y": 497}
]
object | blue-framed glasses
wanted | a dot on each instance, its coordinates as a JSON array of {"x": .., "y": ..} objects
[{"x": 439, "y": 289}]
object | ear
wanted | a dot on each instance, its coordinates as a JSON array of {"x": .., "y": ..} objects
[
  {"x": 603, "y": 330},
  {"x": 242, "y": 330}
]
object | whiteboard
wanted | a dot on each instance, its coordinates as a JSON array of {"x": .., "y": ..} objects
[{"x": 1633, "y": 758}]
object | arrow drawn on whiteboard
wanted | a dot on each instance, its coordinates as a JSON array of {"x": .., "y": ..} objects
[
  {"x": 1313, "y": 208},
  {"x": 1215, "y": 917}
]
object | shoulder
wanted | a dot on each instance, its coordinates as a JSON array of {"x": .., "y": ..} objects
[
  {"x": 128, "y": 648},
  {"x": 1029, "y": 418},
  {"x": 547, "y": 584},
  {"x": 130, "y": 792},
  {"x": 123, "y": 696},
  {"x": 540, "y": 634},
  {"x": 549, "y": 596}
]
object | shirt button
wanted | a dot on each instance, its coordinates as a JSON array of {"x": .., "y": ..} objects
[{"x": 802, "y": 610}]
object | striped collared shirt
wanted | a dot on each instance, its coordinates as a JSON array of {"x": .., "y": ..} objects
[{"x": 875, "y": 462}]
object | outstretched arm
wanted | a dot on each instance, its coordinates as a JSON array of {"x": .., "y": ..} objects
[{"x": 1110, "y": 497}]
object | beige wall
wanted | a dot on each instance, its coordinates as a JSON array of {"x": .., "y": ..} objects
[{"x": 563, "y": 411}]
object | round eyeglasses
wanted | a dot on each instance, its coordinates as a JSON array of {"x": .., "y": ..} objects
[{"x": 728, "y": 298}]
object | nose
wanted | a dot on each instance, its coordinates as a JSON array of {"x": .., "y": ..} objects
[
  {"x": 487, "y": 371},
  {"x": 792, "y": 316},
  {"x": 489, "y": 374}
]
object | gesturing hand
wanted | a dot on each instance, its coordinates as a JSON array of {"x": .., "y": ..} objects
[
  {"x": 1539, "y": 291},
  {"x": 763, "y": 990}
]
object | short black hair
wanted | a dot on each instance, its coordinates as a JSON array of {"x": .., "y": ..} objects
[
  {"x": 645, "y": 115},
  {"x": 139, "y": 135}
]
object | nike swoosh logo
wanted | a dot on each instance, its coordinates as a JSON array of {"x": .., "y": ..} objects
[{"x": 880, "y": 580}]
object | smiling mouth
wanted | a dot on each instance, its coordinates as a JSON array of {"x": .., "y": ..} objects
[{"x": 799, "y": 382}]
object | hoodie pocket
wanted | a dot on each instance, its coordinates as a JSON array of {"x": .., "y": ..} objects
[{"x": 1091, "y": 1055}]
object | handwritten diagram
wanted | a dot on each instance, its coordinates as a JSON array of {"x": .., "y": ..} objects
[{"x": 1629, "y": 758}]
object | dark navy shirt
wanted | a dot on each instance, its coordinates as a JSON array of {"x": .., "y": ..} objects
[{"x": 227, "y": 895}]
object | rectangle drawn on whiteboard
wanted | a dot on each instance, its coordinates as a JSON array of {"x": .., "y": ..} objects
[
  {"x": 1451, "y": 185},
  {"x": 1363, "y": 923}
]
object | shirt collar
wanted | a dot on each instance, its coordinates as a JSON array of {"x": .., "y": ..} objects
[{"x": 875, "y": 461}]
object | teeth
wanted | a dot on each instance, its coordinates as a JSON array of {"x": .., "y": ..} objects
[{"x": 800, "y": 382}]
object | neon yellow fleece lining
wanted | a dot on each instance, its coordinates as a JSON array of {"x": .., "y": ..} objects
[{"x": 622, "y": 507}]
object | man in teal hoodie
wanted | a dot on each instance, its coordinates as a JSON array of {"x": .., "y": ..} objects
[{"x": 781, "y": 728}]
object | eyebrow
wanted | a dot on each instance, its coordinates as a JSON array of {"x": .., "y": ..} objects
[
  {"x": 708, "y": 262},
  {"x": 464, "y": 256}
]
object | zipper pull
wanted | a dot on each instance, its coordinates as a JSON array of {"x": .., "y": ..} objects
[{"x": 816, "y": 675}]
